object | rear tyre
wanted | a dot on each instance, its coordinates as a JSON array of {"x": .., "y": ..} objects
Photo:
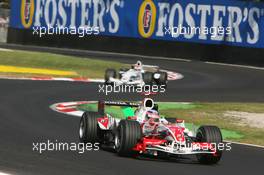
[
  {"x": 109, "y": 73},
  {"x": 88, "y": 129},
  {"x": 163, "y": 78},
  {"x": 148, "y": 78},
  {"x": 127, "y": 136},
  {"x": 171, "y": 120},
  {"x": 210, "y": 134}
]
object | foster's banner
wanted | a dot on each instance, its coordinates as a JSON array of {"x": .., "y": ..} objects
[{"x": 229, "y": 22}]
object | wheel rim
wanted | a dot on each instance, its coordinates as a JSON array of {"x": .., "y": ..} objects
[
  {"x": 117, "y": 142},
  {"x": 82, "y": 129}
]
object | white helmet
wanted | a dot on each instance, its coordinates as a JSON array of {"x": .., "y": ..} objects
[{"x": 138, "y": 65}]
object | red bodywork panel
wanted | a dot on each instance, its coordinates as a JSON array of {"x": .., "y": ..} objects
[
  {"x": 178, "y": 133},
  {"x": 104, "y": 121},
  {"x": 148, "y": 141}
]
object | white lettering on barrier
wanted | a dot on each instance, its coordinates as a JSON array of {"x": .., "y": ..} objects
[
  {"x": 54, "y": 13},
  {"x": 235, "y": 16},
  {"x": 169, "y": 15}
]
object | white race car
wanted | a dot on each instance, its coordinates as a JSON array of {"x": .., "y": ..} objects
[
  {"x": 144, "y": 131},
  {"x": 137, "y": 75}
]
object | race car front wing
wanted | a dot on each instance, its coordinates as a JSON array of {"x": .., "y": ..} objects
[{"x": 174, "y": 148}]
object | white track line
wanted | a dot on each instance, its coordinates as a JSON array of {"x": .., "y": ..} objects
[
  {"x": 171, "y": 77},
  {"x": 99, "y": 52},
  {"x": 235, "y": 65},
  {"x": 126, "y": 55},
  {"x": 6, "y": 50},
  {"x": 245, "y": 144},
  {"x": 133, "y": 55},
  {"x": 76, "y": 113},
  {"x": 1, "y": 173},
  {"x": 53, "y": 79}
]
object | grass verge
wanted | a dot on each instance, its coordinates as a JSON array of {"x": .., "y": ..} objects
[
  {"x": 214, "y": 114},
  {"x": 84, "y": 67}
]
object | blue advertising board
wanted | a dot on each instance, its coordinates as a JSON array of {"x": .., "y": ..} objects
[{"x": 228, "y": 22}]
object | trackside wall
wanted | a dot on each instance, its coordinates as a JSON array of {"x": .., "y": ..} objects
[{"x": 212, "y": 30}]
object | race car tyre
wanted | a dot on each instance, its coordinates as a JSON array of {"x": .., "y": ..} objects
[
  {"x": 162, "y": 79},
  {"x": 210, "y": 134},
  {"x": 127, "y": 136},
  {"x": 88, "y": 130},
  {"x": 171, "y": 120},
  {"x": 164, "y": 155},
  {"x": 109, "y": 73},
  {"x": 148, "y": 78}
]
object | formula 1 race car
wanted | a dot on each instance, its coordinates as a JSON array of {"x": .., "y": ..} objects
[
  {"x": 145, "y": 132},
  {"x": 139, "y": 75}
]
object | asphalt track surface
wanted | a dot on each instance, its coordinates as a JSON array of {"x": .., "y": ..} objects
[{"x": 27, "y": 118}]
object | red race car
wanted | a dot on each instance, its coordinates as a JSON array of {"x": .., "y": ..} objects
[{"x": 144, "y": 131}]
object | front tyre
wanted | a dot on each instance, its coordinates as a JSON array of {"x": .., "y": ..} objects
[
  {"x": 163, "y": 78},
  {"x": 148, "y": 78},
  {"x": 164, "y": 155},
  {"x": 171, "y": 120},
  {"x": 209, "y": 134},
  {"x": 88, "y": 129},
  {"x": 127, "y": 136}
]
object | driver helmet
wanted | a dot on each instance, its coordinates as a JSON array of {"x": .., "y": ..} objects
[{"x": 138, "y": 65}]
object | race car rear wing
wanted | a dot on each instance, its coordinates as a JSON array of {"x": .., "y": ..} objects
[
  {"x": 147, "y": 103},
  {"x": 102, "y": 104},
  {"x": 150, "y": 66}
]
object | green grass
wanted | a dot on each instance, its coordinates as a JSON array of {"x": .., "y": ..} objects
[
  {"x": 206, "y": 114},
  {"x": 84, "y": 67},
  {"x": 117, "y": 111},
  {"x": 213, "y": 114}
]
